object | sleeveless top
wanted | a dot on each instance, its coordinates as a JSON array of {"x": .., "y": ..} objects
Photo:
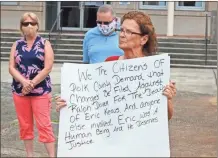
[{"x": 29, "y": 64}]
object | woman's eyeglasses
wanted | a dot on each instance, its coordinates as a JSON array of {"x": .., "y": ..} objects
[
  {"x": 27, "y": 23},
  {"x": 128, "y": 32}
]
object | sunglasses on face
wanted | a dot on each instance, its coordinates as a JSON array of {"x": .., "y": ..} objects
[
  {"x": 25, "y": 24},
  {"x": 104, "y": 22}
]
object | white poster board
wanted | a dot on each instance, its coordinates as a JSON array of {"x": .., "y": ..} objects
[{"x": 115, "y": 109}]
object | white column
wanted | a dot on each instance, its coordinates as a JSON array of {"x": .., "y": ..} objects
[
  {"x": 43, "y": 17},
  {"x": 217, "y": 42},
  {"x": 170, "y": 18}
]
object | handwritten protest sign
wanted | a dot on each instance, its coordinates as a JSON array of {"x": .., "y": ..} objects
[{"x": 115, "y": 108}]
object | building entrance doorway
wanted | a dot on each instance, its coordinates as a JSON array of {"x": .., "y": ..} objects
[{"x": 78, "y": 15}]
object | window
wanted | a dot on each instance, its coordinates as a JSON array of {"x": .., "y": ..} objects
[
  {"x": 8, "y": 3},
  {"x": 124, "y": 3},
  {"x": 190, "y": 5},
  {"x": 153, "y": 5}
]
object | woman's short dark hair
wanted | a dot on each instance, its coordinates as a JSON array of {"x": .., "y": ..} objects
[{"x": 146, "y": 27}]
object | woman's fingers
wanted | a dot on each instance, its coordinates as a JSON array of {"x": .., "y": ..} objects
[
  {"x": 25, "y": 91},
  {"x": 60, "y": 105},
  {"x": 168, "y": 92},
  {"x": 58, "y": 99},
  {"x": 172, "y": 85}
]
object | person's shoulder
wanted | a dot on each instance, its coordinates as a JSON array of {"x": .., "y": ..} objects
[
  {"x": 43, "y": 40},
  {"x": 20, "y": 40},
  {"x": 114, "y": 35},
  {"x": 112, "y": 58},
  {"x": 92, "y": 31}
]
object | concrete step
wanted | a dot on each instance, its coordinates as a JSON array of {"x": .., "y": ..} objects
[
  {"x": 193, "y": 66},
  {"x": 13, "y": 39},
  {"x": 6, "y": 44},
  {"x": 186, "y": 45},
  {"x": 77, "y": 54},
  {"x": 68, "y": 61},
  {"x": 78, "y": 38},
  {"x": 53, "y": 40},
  {"x": 69, "y": 46},
  {"x": 46, "y": 32},
  {"x": 69, "y": 41},
  {"x": 192, "y": 61},
  {"x": 59, "y": 46},
  {"x": 56, "y": 51},
  {"x": 68, "y": 34},
  {"x": 80, "y": 35},
  {"x": 176, "y": 58},
  {"x": 56, "y": 60},
  {"x": 181, "y": 40},
  {"x": 160, "y": 45},
  {"x": 56, "y": 56},
  {"x": 72, "y": 35},
  {"x": 192, "y": 56},
  {"x": 186, "y": 50},
  {"x": 68, "y": 57},
  {"x": 77, "y": 49},
  {"x": 5, "y": 54},
  {"x": 68, "y": 51}
]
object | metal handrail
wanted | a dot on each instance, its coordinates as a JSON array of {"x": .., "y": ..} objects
[
  {"x": 49, "y": 35},
  {"x": 206, "y": 39}
]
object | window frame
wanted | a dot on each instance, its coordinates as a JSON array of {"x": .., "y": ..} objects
[
  {"x": 202, "y": 8},
  {"x": 156, "y": 7},
  {"x": 9, "y": 3},
  {"x": 124, "y": 2}
]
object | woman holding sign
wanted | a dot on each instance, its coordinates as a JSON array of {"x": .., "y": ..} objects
[{"x": 137, "y": 39}]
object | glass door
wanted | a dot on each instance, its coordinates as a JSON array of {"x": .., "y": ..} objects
[
  {"x": 78, "y": 15},
  {"x": 90, "y": 9},
  {"x": 71, "y": 16}
]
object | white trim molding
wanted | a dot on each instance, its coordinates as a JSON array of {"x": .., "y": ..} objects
[
  {"x": 151, "y": 5},
  {"x": 9, "y": 3},
  {"x": 198, "y": 5},
  {"x": 170, "y": 18}
]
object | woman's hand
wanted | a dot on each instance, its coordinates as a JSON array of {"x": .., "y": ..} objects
[
  {"x": 60, "y": 103},
  {"x": 28, "y": 86},
  {"x": 170, "y": 92}
]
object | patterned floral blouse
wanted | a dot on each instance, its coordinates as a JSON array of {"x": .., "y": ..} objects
[{"x": 29, "y": 64}]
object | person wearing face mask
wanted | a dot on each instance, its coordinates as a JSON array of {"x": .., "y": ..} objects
[
  {"x": 31, "y": 61},
  {"x": 101, "y": 41}
]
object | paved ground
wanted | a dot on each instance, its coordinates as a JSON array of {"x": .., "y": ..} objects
[{"x": 193, "y": 129}]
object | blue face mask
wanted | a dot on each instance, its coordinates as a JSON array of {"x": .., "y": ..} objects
[{"x": 107, "y": 29}]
